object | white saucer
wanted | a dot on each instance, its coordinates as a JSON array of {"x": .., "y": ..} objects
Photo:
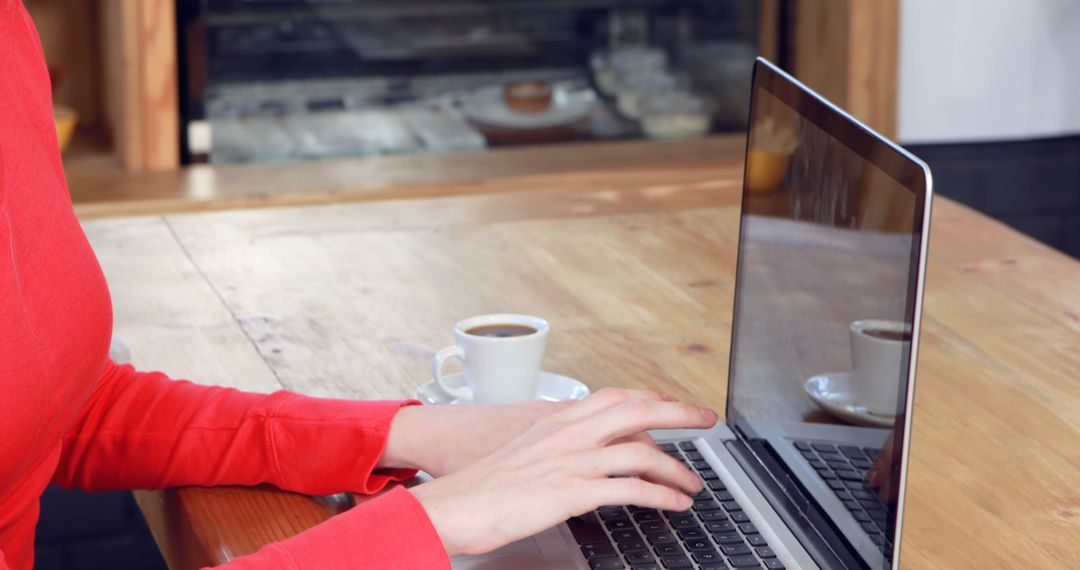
[
  {"x": 488, "y": 106},
  {"x": 550, "y": 387},
  {"x": 832, "y": 392}
]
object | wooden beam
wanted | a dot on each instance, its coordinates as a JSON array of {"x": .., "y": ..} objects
[
  {"x": 121, "y": 81},
  {"x": 141, "y": 67},
  {"x": 769, "y": 29},
  {"x": 873, "y": 62},
  {"x": 158, "y": 87},
  {"x": 847, "y": 50}
]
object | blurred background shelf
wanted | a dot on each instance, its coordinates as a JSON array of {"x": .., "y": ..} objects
[
  {"x": 140, "y": 72},
  {"x": 134, "y": 72},
  {"x": 90, "y": 147}
]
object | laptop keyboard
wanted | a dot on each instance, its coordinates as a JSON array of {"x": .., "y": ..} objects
[
  {"x": 715, "y": 534},
  {"x": 844, "y": 468}
]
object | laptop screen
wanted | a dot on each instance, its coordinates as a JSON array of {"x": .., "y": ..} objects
[{"x": 828, "y": 265}]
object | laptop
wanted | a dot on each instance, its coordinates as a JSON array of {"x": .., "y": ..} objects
[{"x": 833, "y": 232}]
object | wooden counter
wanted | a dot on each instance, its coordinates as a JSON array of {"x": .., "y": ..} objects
[
  {"x": 99, "y": 189},
  {"x": 634, "y": 269}
]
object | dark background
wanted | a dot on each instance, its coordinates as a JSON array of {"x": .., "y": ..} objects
[
  {"x": 92, "y": 531},
  {"x": 1033, "y": 185}
]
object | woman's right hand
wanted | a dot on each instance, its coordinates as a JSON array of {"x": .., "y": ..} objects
[{"x": 568, "y": 463}]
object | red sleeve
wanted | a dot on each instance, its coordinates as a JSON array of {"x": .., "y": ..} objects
[
  {"x": 142, "y": 430},
  {"x": 389, "y": 532}
]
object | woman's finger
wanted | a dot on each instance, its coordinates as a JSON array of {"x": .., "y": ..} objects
[
  {"x": 637, "y": 458},
  {"x": 606, "y": 398},
  {"x": 642, "y": 437},
  {"x": 633, "y": 491},
  {"x": 882, "y": 466},
  {"x": 636, "y": 416}
]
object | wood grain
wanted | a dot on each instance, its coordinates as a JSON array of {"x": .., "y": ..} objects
[
  {"x": 99, "y": 189},
  {"x": 873, "y": 59},
  {"x": 141, "y": 88},
  {"x": 159, "y": 91},
  {"x": 847, "y": 50},
  {"x": 146, "y": 249},
  {"x": 121, "y": 86},
  {"x": 821, "y": 48},
  {"x": 636, "y": 276},
  {"x": 769, "y": 31}
]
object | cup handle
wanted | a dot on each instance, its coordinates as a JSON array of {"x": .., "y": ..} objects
[{"x": 441, "y": 357}]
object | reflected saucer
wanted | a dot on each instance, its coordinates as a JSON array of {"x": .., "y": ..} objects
[
  {"x": 550, "y": 387},
  {"x": 832, "y": 392}
]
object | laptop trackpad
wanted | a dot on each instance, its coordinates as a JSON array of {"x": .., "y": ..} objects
[
  {"x": 522, "y": 549},
  {"x": 549, "y": 550}
]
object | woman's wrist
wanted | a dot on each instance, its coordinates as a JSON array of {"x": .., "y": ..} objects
[
  {"x": 439, "y": 517},
  {"x": 402, "y": 449}
]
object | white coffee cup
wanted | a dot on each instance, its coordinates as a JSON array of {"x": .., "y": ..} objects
[
  {"x": 497, "y": 369},
  {"x": 879, "y": 356}
]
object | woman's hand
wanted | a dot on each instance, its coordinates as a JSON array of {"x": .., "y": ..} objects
[
  {"x": 568, "y": 463},
  {"x": 443, "y": 439},
  {"x": 884, "y": 474}
]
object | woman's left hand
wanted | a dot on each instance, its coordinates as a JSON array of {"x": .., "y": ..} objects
[{"x": 442, "y": 439}]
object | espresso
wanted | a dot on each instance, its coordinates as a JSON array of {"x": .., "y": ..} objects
[
  {"x": 501, "y": 330},
  {"x": 887, "y": 334}
]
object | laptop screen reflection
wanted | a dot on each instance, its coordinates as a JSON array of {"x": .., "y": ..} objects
[{"x": 824, "y": 310}]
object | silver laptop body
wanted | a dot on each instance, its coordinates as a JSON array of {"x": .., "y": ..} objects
[{"x": 834, "y": 228}]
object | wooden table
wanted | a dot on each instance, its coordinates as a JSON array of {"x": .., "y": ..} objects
[{"x": 634, "y": 269}]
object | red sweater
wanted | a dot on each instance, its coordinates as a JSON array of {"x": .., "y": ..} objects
[{"x": 70, "y": 416}]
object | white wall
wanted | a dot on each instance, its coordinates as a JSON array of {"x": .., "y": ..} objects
[{"x": 976, "y": 70}]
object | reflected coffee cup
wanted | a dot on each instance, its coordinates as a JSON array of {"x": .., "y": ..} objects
[
  {"x": 880, "y": 350},
  {"x": 500, "y": 358}
]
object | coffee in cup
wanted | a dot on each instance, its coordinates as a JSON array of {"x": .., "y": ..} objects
[
  {"x": 889, "y": 334},
  {"x": 501, "y": 330},
  {"x": 500, "y": 355},
  {"x": 880, "y": 351}
]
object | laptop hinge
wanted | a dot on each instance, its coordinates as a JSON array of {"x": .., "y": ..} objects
[
  {"x": 744, "y": 430},
  {"x": 805, "y": 519}
]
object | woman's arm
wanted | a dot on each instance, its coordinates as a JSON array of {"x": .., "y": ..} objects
[
  {"x": 142, "y": 430},
  {"x": 389, "y": 532}
]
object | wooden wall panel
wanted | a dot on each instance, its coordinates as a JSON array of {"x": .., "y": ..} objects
[
  {"x": 848, "y": 51},
  {"x": 121, "y": 80},
  {"x": 769, "y": 29},
  {"x": 821, "y": 46},
  {"x": 873, "y": 60},
  {"x": 159, "y": 87},
  {"x": 142, "y": 90}
]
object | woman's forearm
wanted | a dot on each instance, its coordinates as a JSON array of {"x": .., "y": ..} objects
[{"x": 144, "y": 430}]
